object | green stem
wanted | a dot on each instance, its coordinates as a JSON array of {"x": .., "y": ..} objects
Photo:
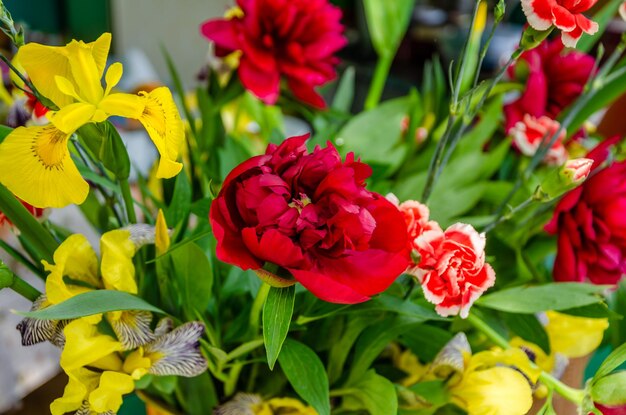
[
  {"x": 257, "y": 307},
  {"x": 378, "y": 81},
  {"x": 33, "y": 231},
  {"x": 128, "y": 201},
  {"x": 512, "y": 213},
  {"x": 9, "y": 280},
  {"x": 22, "y": 259},
  {"x": 569, "y": 393}
]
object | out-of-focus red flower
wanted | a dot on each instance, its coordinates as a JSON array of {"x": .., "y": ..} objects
[
  {"x": 530, "y": 133},
  {"x": 591, "y": 225},
  {"x": 622, "y": 10},
  {"x": 295, "y": 40},
  {"x": 452, "y": 268},
  {"x": 613, "y": 410},
  {"x": 36, "y": 212},
  {"x": 311, "y": 215},
  {"x": 566, "y": 15},
  {"x": 38, "y": 110},
  {"x": 553, "y": 79}
]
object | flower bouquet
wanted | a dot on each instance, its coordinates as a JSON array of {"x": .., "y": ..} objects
[{"x": 449, "y": 251}]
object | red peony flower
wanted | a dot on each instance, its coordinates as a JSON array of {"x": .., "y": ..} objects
[
  {"x": 566, "y": 15},
  {"x": 36, "y": 212},
  {"x": 591, "y": 226},
  {"x": 529, "y": 134},
  {"x": 554, "y": 79},
  {"x": 311, "y": 215},
  {"x": 291, "y": 39},
  {"x": 452, "y": 268}
]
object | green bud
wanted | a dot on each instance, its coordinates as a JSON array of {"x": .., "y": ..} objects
[
  {"x": 498, "y": 12},
  {"x": 610, "y": 390},
  {"x": 562, "y": 180},
  {"x": 106, "y": 145},
  {"x": 531, "y": 38}
]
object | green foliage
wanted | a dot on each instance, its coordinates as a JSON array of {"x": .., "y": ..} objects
[
  {"x": 90, "y": 303},
  {"x": 610, "y": 390},
  {"x": 194, "y": 277},
  {"x": 387, "y": 23},
  {"x": 306, "y": 374},
  {"x": 373, "y": 393},
  {"x": 528, "y": 327},
  {"x": 277, "y": 313},
  {"x": 555, "y": 296}
]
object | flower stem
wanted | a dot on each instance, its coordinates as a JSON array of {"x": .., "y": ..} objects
[
  {"x": 9, "y": 280},
  {"x": 378, "y": 82},
  {"x": 569, "y": 393},
  {"x": 512, "y": 213},
  {"x": 22, "y": 259},
  {"x": 128, "y": 200},
  {"x": 257, "y": 307}
]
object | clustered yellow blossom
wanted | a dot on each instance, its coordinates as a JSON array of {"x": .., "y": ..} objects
[
  {"x": 101, "y": 366},
  {"x": 36, "y": 162}
]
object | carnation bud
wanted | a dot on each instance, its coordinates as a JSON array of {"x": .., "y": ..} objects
[
  {"x": 498, "y": 12},
  {"x": 531, "y": 38},
  {"x": 567, "y": 177}
]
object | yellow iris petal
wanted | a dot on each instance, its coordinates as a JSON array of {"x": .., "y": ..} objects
[
  {"x": 81, "y": 383},
  {"x": 118, "y": 271},
  {"x": 290, "y": 406},
  {"x": 71, "y": 117},
  {"x": 574, "y": 336},
  {"x": 544, "y": 361},
  {"x": 76, "y": 259},
  {"x": 85, "y": 71},
  {"x": 108, "y": 395},
  {"x": 162, "y": 240},
  {"x": 123, "y": 105},
  {"x": 162, "y": 121},
  {"x": 113, "y": 76},
  {"x": 494, "y": 391},
  {"x": 37, "y": 167},
  {"x": 136, "y": 364},
  {"x": 85, "y": 345}
]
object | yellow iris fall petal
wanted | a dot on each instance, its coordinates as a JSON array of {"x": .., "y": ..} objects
[
  {"x": 81, "y": 382},
  {"x": 36, "y": 163},
  {"x": 108, "y": 395},
  {"x": 85, "y": 345},
  {"x": 574, "y": 336},
  {"x": 118, "y": 271}
]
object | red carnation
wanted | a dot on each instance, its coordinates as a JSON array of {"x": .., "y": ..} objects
[
  {"x": 36, "y": 212},
  {"x": 553, "y": 80},
  {"x": 452, "y": 268},
  {"x": 292, "y": 39},
  {"x": 311, "y": 215},
  {"x": 529, "y": 134},
  {"x": 591, "y": 226},
  {"x": 566, "y": 15}
]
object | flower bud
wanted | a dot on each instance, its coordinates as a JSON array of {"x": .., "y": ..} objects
[
  {"x": 531, "y": 38},
  {"x": 567, "y": 177}
]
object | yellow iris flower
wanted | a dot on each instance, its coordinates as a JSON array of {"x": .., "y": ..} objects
[
  {"x": 496, "y": 382},
  {"x": 36, "y": 163},
  {"x": 574, "y": 336}
]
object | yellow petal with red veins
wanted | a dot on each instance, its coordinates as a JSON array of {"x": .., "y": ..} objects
[
  {"x": 37, "y": 167},
  {"x": 162, "y": 121}
]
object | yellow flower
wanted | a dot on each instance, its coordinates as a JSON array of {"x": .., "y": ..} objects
[
  {"x": 496, "y": 382},
  {"x": 249, "y": 404},
  {"x": 162, "y": 241},
  {"x": 541, "y": 359},
  {"x": 36, "y": 162},
  {"x": 84, "y": 345},
  {"x": 574, "y": 336}
]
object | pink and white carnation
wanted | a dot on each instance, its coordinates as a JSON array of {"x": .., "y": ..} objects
[
  {"x": 529, "y": 133},
  {"x": 566, "y": 15}
]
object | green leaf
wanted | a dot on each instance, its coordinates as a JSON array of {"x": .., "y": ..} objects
[
  {"x": 342, "y": 101},
  {"x": 180, "y": 206},
  {"x": 610, "y": 390},
  {"x": 426, "y": 341},
  {"x": 341, "y": 350},
  {"x": 90, "y": 303},
  {"x": 387, "y": 22},
  {"x": 306, "y": 374},
  {"x": 199, "y": 394},
  {"x": 165, "y": 384},
  {"x": 376, "y": 135},
  {"x": 194, "y": 276},
  {"x": 612, "y": 362},
  {"x": 277, "y": 313},
  {"x": 555, "y": 296},
  {"x": 4, "y": 131},
  {"x": 528, "y": 327},
  {"x": 373, "y": 340},
  {"x": 373, "y": 393},
  {"x": 434, "y": 392}
]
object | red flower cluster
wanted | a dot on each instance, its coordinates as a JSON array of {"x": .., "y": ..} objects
[
  {"x": 450, "y": 264},
  {"x": 554, "y": 79},
  {"x": 591, "y": 226},
  {"x": 293, "y": 39},
  {"x": 311, "y": 215},
  {"x": 566, "y": 15}
]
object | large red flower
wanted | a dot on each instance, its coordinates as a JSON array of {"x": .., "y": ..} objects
[
  {"x": 590, "y": 223},
  {"x": 311, "y": 215},
  {"x": 291, "y": 39},
  {"x": 566, "y": 15},
  {"x": 553, "y": 80}
]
